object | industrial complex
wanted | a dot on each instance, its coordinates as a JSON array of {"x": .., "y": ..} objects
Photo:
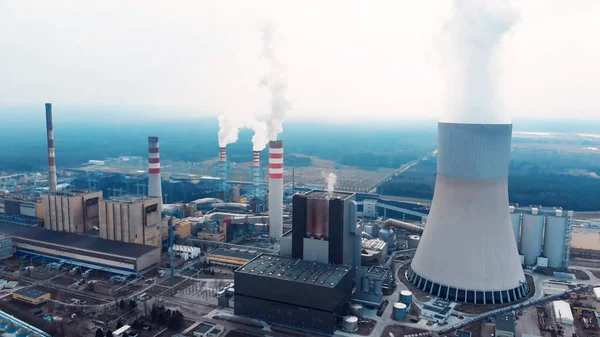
[{"x": 266, "y": 257}]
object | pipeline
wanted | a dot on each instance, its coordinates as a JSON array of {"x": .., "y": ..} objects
[{"x": 403, "y": 225}]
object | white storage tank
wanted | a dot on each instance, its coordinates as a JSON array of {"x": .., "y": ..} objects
[
  {"x": 516, "y": 223},
  {"x": 532, "y": 234},
  {"x": 350, "y": 323},
  {"x": 542, "y": 261},
  {"x": 555, "y": 240},
  {"x": 369, "y": 229},
  {"x": 413, "y": 241}
]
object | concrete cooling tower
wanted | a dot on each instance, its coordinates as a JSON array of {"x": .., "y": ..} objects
[{"x": 468, "y": 252}]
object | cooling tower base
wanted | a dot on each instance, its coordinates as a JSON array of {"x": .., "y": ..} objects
[{"x": 468, "y": 296}]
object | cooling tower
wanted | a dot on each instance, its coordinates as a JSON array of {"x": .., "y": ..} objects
[
  {"x": 154, "y": 181},
  {"x": 51, "y": 154},
  {"x": 276, "y": 189},
  {"x": 468, "y": 252}
]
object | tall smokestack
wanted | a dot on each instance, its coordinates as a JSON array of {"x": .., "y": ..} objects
[
  {"x": 223, "y": 170},
  {"x": 154, "y": 181},
  {"x": 256, "y": 172},
  {"x": 51, "y": 153},
  {"x": 468, "y": 251},
  {"x": 275, "y": 189}
]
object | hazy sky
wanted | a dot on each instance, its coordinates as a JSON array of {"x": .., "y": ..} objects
[{"x": 344, "y": 59}]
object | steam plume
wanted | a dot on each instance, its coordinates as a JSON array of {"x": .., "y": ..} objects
[
  {"x": 331, "y": 180},
  {"x": 229, "y": 126},
  {"x": 276, "y": 81},
  {"x": 473, "y": 35}
]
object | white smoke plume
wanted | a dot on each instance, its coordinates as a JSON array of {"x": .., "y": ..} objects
[
  {"x": 471, "y": 40},
  {"x": 229, "y": 127},
  {"x": 331, "y": 181},
  {"x": 276, "y": 81}
]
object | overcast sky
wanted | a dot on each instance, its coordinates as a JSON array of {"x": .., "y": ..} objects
[{"x": 373, "y": 60}]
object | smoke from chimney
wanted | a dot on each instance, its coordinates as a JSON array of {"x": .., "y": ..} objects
[
  {"x": 276, "y": 81},
  {"x": 229, "y": 127},
  {"x": 51, "y": 153},
  {"x": 471, "y": 40},
  {"x": 331, "y": 181}
]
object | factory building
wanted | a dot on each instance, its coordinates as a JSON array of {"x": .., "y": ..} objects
[
  {"x": 543, "y": 235},
  {"x": 372, "y": 283},
  {"x": 231, "y": 257},
  {"x": 31, "y": 296},
  {"x": 324, "y": 229},
  {"x": 505, "y": 325},
  {"x": 373, "y": 252},
  {"x": 23, "y": 209},
  {"x": 467, "y": 252},
  {"x": 292, "y": 292},
  {"x": 12, "y": 326},
  {"x": 82, "y": 250},
  {"x": 131, "y": 219},
  {"x": 71, "y": 211},
  {"x": 6, "y": 247}
]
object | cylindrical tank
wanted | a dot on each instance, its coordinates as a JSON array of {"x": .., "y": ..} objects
[
  {"x": 413, "y": 241},
  {"x": 356, "y": 310},
  {"x": 516, "y": 222},
  {"x": 384, "y": 234},
  {"x": 365, "y": 285},
  {"x": 235, "y": 193},
  {"x": 350, "y": 324},
  {"x": 369, "y": 229},
  {"x": 399, "y": 312},
  {"x": 555, "y": 240},
  {"x": 531, "y": 237},
  {"x": 377, "y": 287},
  {"x": 405, "y": 297}
]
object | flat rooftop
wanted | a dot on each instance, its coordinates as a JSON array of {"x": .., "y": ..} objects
[
  {"x": 76, "y": 241},
  {"x": 241, "y": 253},
  {"x": 291, "y": 269},
  {"x": 33, "y": 293},
  {"x": 130, "y": 199},
  {"x": 320, "y": 194},
  {"x": 70, "y": 193}
]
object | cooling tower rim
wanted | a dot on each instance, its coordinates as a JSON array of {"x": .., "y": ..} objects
[{"x": 474, "y": 123}]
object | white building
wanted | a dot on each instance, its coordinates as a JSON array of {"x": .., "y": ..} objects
[
  {"x": 597, "y": 293},
  {"x": 186, "y": 252},
  {"x": 562, "y": 312}
]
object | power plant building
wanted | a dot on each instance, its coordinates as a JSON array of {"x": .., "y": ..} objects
[
  {"x": 297, "y": 293},
  {"x": 71, "y": 211},
  {"x": 82, "y": 250},
  {"x": 131, "y": 219},
  {"x": 467, "y": 252},
  {"x": 324, "y": 228},
  {"x": 22, "y": 209}
]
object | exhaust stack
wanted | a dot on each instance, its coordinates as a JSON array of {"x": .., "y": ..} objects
[
  {"x": 223, "y": 170},
  {"x": 256, "y": 172},
  {"x": 154, "y": 181},
  {"x": 51, "y": 153},
  {"x": 276, "y": 189}
]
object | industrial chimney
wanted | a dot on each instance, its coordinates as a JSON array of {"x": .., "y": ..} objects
[
  {"x": 256, "y": 172},
  {"x": 468, "y": 251},
  {"x": 51, "y": 153},
  {"x": 223, "y": 170},
  {"x": 276, "y": 189},
  {"x": 154, "y": 181}
]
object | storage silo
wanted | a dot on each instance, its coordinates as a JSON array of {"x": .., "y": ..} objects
[
  {"x": 532, "y": 236},
  {"x": 515, "y": 218},
  {"x": 350, "y": 323},
  {"x": 399, "y": 312},
  {"x": 555, "y": 241},
  {"x": 369, "y": 230},
  {"x": 365, "y": 285},
  {"x": 377, "y": 287},
  {"x": 413, "y": 241},
  {"x": 405, "y": 297}
]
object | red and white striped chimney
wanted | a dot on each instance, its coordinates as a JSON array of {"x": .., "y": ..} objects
[
  {"x": 51, "y": 153},
  {"x": 154, "y": 181},
  {"x": 276, "y": 189}
]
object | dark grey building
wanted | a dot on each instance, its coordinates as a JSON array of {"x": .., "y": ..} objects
[
  {"x": 297, "y": 293},
  {"x": 324, "y": 228}
]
